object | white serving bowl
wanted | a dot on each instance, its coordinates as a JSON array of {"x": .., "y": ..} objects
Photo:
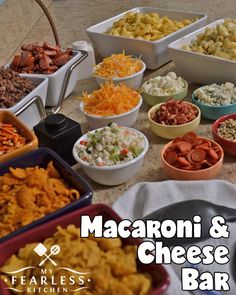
[
  {"x": 153, "y": 53},
  {"x": 127, "y": 119},
  {"x": 133, "y": 81},
  {"x": 201, "y": 68},
  {"x": 112, "y": 175}
]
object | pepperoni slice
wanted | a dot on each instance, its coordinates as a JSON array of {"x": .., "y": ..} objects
[
  {"x": 189, "y": 167},
  {"x": 177, "y": 139},
  {"x": 197, "y": 167},
  {"x": 203, "y": 146},
  {"x": 171, "y": 157},
  {"x": 190, "y": 137},
  {"x": 192, "y": 153},
  {"x": 213, "y": 154},
  {"x": 183, "y": 161},
  {"x": 183, "y": 146},
  {"x": 198, "y": 155}
]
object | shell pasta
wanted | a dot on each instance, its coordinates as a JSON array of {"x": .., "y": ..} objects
[
  {"x": 146, "y": 26},
  {"x": 219, "y": 41}
]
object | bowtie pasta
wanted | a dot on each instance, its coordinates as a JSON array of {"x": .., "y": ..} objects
[
  {"x": 29, "y": 194},
  {"x": 219, "y": 41},
  {"x": 146, "y": 26},
  {"x": 112, "y": 267}
]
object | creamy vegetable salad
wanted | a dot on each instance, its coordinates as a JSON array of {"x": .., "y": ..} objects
[{"x": 111, "y": 145}]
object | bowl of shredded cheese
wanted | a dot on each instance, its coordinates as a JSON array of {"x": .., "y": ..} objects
[
  {"x": 120, "y": 68},
  {"x": 111, "y": 103}
]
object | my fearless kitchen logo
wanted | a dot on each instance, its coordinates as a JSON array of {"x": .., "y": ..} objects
[{"x": 47, "y": 280}]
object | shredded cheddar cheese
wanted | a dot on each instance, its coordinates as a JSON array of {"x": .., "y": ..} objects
[
  {"x": 118, "y": 66},
  {"x": 110, "y": 100}
]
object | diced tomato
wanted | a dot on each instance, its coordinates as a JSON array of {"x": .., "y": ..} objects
[
  {"x": 124, "y": 151},
  {"x": 83, "y": 142}
]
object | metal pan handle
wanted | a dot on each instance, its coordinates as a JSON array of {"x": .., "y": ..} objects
[
  {"x": 56, "y": 108},
  {"x": 35, "y": 100}
]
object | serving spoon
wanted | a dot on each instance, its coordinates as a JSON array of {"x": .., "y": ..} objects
[
  {"x": 233, "y": 265},
  {"x": 186, "y": 210}
]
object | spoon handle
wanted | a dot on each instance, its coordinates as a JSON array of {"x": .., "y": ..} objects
[
  {"x": 228, "y": 213},
  {"x": 233, "y": 264},
  {"x": 231, "y": 219}
]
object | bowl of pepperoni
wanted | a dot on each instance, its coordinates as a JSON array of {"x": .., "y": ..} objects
[
  {"x": 192, "y": 157},
  {"x": 174, "y": 118}
]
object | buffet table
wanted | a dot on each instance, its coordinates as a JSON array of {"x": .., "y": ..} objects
[
  {"x": 111, "y": 154},
  {"x": 91, "y": 12},
  {"x": 151, "y": 170}
]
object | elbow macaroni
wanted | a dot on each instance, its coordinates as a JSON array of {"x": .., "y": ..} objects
[
  {"x": 219, "y": 41},
  {"x": 111, "y": 266},
  {"x": 146, "y": 26}
]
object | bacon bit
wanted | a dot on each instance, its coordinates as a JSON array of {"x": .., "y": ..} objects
[{"x": 174, "y": 112}]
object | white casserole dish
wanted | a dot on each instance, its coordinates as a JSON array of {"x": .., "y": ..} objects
[
  {"x": 31, "y": 116},
  {"x": 154, "y": 53},
  {"x": 200, "y": 68}
]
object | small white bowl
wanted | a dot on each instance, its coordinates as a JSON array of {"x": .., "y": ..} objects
[
  {"x": 126, "y": 119},
  {"x": 134, "y": 81},
  {"x": 112, "y": 175}
]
